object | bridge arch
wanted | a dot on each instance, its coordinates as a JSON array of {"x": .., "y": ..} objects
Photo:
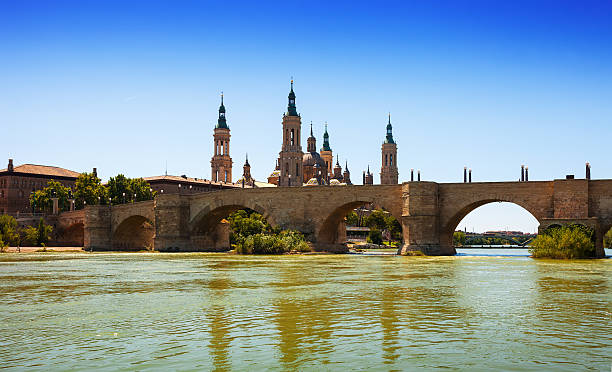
[
  {"x": 209, "y": 233},
  {"x": 329, "y": 231},
  {"x": 449, "y": 226},
  {"x": 133, "y": 233}
]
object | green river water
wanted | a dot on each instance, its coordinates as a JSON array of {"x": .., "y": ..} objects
[{"x": 303, "y": 312}]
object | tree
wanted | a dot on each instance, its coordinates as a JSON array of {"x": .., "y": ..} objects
[
  {"x": 43, "y": 232},
  {"x": 122, "y": 189},
  {"x": 375, "y": 236},
  {"x": 352, "y": 219},
  {"x": 608, "y": 239},
  {"x": 119, "y": 189},
  {"x": 41, "y": 201},
  {"x": 563, "y": 242},
  {"x": 8, "y": 230},
  {"x": 377, "y": 220},
  {"x": 458, "y": 238},
  {"x": 142, "y": 190},
  {"x": 394, "y": 227},
  {"x": 88, "y": 188}
]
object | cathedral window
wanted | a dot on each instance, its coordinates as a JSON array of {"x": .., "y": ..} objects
[{"x": 292, "y": 137}]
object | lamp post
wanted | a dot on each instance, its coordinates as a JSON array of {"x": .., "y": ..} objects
[
  {"x": 124, "y": 198},
  {"x": 133, "y": 200},
  {"x": 151, "y": 193}
]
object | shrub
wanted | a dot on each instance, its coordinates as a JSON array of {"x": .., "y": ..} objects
[
  {"x": 563, "y": 242},
  {"x": 8, "y": 230},
  {"x": 375, "y": 237}
]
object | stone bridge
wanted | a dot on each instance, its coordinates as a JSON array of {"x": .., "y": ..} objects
[{"x": 429, "y": 213}]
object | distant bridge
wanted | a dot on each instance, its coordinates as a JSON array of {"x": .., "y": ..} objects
[{"x": 429, "y": 213}]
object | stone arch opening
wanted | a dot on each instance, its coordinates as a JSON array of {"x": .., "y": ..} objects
[
  {"x": 333, "y": 230},
  {"x": 499, "y": 233},
  {"x": 607, "y": 237},
  {"x": 135, "y": 233},
  {"x": 210, "y": 230}
]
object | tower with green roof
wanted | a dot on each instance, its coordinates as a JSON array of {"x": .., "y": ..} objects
[
  {"x": 327, "y": 154},
  {"x": 290, "y": 156},
  {"x": 221, "y": 162},
  {"x": 388, "y": 169}
]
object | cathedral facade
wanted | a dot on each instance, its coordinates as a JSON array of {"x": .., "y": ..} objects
[{"x": 295, "y": 167}]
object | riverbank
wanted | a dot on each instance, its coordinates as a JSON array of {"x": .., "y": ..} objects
[{"x": 41, "y": 249}]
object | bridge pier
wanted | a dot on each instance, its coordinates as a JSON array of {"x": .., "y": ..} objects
[
  {"x": 97, "y": 234},
  {"x": 420, "y": 220},
  {"x": 172, "y": 224}
]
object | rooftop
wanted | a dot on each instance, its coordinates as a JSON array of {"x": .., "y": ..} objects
[{"x": 43, "y": 170}]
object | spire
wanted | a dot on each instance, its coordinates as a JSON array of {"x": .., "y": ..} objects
[
  {"x": 246, "y": 163},
  {"x": 311, "y": 142},
  {"x": 326, "y": 140},
  {"x": 291, "y": 109},
  {"x": 346, "y": 166},
  {"x": 337, "y": 160},
  {"x": 389, "y": 138},
  {"x": 221, "y": 122}
]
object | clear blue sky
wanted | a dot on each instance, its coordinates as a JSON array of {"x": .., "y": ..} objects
[{"x": 126, "y": 86}]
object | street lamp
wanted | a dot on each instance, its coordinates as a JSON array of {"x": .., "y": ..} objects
[
  {"x": 124, "y": 198},
  {"x": 134, "y": 198}
]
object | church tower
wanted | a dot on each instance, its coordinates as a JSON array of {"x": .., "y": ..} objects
[
  {"x": 388, "y": 170},
  {"x": 338, "y": 170},
  {"x": 221, "y": 163},
  {"x": 346, "y": 175},
  {"x": 290, "y": 156},
  {"x": 326, "y": 153}
]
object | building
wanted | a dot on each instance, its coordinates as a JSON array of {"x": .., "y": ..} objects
[
  {"x": 221, "y": 162},
  {"x": 17, "y": 183},
  {"x": 388, "y": 169},
  {"x": 368, "y": 178},
  {"x": 313, "y": 164},
  {"x": 168, "y": 184},
  {"x": 326, "y": 152},
  {"x": 291, "y": 154},
  {"x": 246, "y": 179}
]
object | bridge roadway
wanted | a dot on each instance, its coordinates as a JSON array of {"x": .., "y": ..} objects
[{"x": 429, "y": 213}]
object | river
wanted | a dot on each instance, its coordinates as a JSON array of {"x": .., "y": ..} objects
[{"x": 122, "y": 311}]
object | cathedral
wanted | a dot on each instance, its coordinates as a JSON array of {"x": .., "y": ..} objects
[
  {"x": 294, "y": 167},
  {"x": 311, "y": 168}
]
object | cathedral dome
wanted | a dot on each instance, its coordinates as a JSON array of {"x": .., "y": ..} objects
[{"x": 312, "y": 158}]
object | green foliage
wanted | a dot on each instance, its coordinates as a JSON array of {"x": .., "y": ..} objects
[
  {"x": 564, "y": 242},
  {"x": 352, "y": 219},
  {"x": 377, "y": 220},
  {"x": 126, "y": 190},
  {"x": 375, "y": 236},
  {"x": 244, "y": 223},
  {"x": 88, "y": 188},
  {"x": 29, "y": 236},
  {"x": 284, "y": 242},
  {"x": 43, "y": 233},
  {"x": 608, "y": 239},
  {"x": 394, "y": 227},
  {"x": 458, "y": 238},
  {"x": 8, "y": 231},
  {"x": 252, "y": 234},
  {"x": 41, "y": 201}
]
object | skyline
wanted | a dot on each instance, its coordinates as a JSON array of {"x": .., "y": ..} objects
[{"x": 485, "y": 86}]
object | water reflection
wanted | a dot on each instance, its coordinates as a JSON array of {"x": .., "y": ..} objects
[{"x": 225, "y": 312}]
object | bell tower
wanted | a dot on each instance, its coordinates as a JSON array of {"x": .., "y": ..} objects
[
  {"x": 291, "y": 154},
  {"x": 326, "y": 153},
  {"x": 221, "y": 162},
  {"x": 388, "y": 169}
]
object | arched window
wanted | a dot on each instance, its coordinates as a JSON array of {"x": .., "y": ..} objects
[{"x": 292, "y": 137}]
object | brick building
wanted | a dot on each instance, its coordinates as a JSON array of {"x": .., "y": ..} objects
[{"x": 16, "y": 184}]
